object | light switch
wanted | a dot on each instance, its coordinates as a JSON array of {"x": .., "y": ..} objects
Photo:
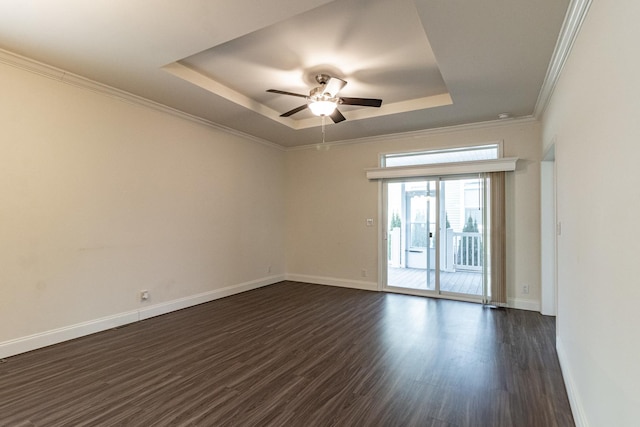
[{"x": 369, "y": 222}]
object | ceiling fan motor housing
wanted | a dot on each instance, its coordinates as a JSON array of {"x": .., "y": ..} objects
[
  {"x": 322, "y": 78},
  {"x": 323, "y": 100},
  {"x": 317, "y": 94}
]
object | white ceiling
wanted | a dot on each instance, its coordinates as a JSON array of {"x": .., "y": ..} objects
[{"x": 433, "y": 62}]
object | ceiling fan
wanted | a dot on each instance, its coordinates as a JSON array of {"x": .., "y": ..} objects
[{"x": 324, "y": 100}]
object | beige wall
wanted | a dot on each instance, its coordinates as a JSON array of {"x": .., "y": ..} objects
[
  {"x": 329, "y": 199},
  {"x": 593, "y": 117},
  {"x": 100, "y": 198}
]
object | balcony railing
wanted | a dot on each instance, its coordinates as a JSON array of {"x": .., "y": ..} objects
[
  {"x": 467, "y": 251},
  {"x": 460, "y": 251}
]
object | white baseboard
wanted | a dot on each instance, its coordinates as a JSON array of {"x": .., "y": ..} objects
[
  {"x": 190, "y": 301},
  {"x": 66, "y": 333},
  {"x": 579, "y": 416},
  {"x": 332, "y": 281},
  {"x": 523, "y": 304},
  {"x": 55, "y": 336}
]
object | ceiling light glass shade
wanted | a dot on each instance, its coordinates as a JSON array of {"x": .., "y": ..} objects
[{"x": 322, "y": 108}]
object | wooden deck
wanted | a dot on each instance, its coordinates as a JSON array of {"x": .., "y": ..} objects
[{"x": 461, "y": 282}]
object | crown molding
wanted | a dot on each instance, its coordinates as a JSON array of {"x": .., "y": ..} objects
[
  {"x": 27, "y": 64},
  {"x": 573, "y": 20}
]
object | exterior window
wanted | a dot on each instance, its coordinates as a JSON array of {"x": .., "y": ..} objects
[{"x": 451, "y": 155}]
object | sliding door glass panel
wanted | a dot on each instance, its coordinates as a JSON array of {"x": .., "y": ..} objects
[
  {"x": 461, "y": 245},
  {"x": 411, "y": 213}
]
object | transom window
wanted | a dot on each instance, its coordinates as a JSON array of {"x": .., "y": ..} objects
[{"x": 448, "y": 155}]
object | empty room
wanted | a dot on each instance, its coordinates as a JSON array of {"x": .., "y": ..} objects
[{"x": 319, "y": 213}]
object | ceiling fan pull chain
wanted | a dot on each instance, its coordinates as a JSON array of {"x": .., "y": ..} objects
[{"x": 322, "y": 128}]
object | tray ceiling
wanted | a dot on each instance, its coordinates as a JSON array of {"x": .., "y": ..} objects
[{"x": 434, "y": 63}]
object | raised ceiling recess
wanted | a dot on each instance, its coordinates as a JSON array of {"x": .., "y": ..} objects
[{"x": 379, "y": 47}]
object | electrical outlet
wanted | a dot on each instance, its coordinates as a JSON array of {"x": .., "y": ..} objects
[
  {"x": 525, "y": 289},
  {"x": 363, "y": 273},
  {"x": 144, "y": 295},
  {"x": 269, "y": 269}
]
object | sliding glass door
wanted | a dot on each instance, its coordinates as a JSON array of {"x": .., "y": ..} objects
[
  {"x": 462, "y": 249},
  {"x": 434, "y": 237},
  {"x": 412, "y": 234}
]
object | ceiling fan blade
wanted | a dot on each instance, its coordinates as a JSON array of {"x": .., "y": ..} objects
[
  {"x": 295, "y": 110},
  {"x": 365, "y": 102},
  {"x": 337, "y": 116},
  {"x": 282, "y": 92},
  {"x": 333, "y": 86}
]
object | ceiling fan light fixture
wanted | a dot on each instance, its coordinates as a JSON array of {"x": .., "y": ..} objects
[
  {"x": 323, "y": 108},
  {"x": 323, "y": 100}
]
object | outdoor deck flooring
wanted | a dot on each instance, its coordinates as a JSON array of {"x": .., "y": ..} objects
[{"x": 462, "y": 282}]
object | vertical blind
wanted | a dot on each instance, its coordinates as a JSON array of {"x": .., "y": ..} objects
[{"x": 496, "y": 283}]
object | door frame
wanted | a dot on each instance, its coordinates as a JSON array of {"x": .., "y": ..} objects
[
  {"x": 383, "y": 236},
  {"x": 549, "y": 230}
]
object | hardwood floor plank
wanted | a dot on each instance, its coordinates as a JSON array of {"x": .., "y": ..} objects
[{"x": 299, "y": 354}]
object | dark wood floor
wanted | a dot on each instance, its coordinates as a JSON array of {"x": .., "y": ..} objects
[
  {"x": 460, "y": 282},
  {"x": 294, "y": 354}
]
